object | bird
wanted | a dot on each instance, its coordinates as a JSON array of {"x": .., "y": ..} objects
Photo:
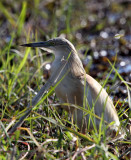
[{"x": 79, "y": 88}]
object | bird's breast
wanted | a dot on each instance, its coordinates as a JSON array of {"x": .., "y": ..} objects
[{"x": 70, "y": 90}]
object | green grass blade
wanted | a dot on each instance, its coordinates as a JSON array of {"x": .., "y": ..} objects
[{"x": 17, "y": 71}]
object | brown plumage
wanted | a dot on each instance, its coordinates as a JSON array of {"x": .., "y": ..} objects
[{"x": 77, "y": 85}]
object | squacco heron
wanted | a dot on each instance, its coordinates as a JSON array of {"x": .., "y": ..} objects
[{"x": 77, "y": 87}]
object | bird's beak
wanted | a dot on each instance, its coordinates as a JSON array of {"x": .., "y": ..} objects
[
  {"x": 46, "y": 46},
  {"x": 37, "y": 44}
]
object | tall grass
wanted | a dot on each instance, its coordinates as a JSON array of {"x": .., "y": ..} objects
[{"x": 46, "y": 133}]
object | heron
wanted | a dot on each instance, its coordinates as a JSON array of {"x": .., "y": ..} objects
[{"x": 77, "y": 87}]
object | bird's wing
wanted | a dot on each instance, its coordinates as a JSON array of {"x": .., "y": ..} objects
[{"x": 102, "y": 101}]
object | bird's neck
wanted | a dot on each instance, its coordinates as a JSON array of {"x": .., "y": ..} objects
[{"x": 74, "y": 64}]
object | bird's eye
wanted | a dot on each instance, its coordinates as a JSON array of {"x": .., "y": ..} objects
[{"x": 53, "y": 43}]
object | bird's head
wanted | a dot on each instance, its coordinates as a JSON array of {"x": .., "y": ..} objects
[{"x": 58, "y": 46}]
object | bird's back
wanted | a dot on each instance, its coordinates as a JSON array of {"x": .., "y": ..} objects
[{"x": 102, "y": 102}]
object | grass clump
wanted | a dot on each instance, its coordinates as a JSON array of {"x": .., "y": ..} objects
[{"x": 47, "y": 133}]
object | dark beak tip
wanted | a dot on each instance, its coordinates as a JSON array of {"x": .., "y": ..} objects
[{"x": 25, "y": 45}]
